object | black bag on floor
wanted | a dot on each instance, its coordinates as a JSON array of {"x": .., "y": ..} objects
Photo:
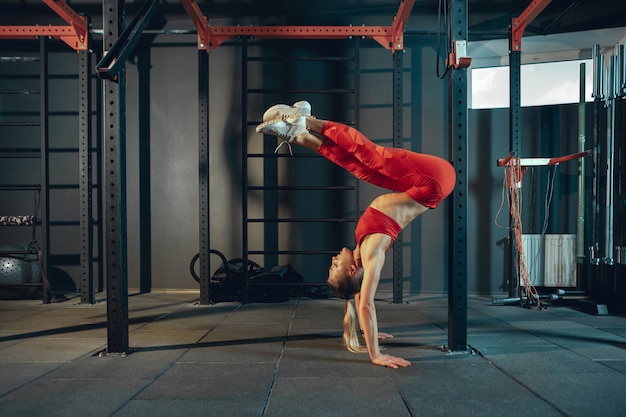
[
  {"x": 227, "y": 282},
  {"x": 274, "y": 286}
]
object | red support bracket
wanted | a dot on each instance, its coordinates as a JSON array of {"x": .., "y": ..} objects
[
  {"x": 524, "y": 163},
  {"x": 458, "y": 57},
  {"x": 199, "y": 21},
  {"x": 210, "y": 37},
  {"x": 519, "y": 24},
  {"x": 529, "y": 162},
  {"x": 399, "y": 23},
  {"x": 74, "y": 35}
]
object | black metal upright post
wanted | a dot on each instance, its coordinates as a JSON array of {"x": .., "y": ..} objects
[
  {"x": 397, "y": 142},
  {"x": 145, "y": 216},
  {"x": 45, "y": 178},
  {"x": 457, "y": 206},
  {"x": 357, "y": 117},
  {"x": 515, "y": 146},
  {"x": 244, "y": 167},
  {"x": 114, "y": 144},
  {"x": 99, "y": 190},
  {"x": 581, "y": 237},
  {"x": 203, "y": 168},
  {"x": 87, "y": 293}
]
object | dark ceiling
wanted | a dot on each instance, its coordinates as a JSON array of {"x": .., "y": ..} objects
[
  {"x": 559, "y": 16},
  {"x": 487, "y": 18}
]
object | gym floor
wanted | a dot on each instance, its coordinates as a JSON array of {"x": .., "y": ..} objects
[{"x": 287, "y": 359}]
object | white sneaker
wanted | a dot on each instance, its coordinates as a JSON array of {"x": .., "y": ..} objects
[
  {"x": 300, "y": 108},
  {"x": 287, "y": 127}
]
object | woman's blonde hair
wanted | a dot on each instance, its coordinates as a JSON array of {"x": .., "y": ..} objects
[
  {"x": 350, "y": 335},
  {"x": 346, "y": 286}
]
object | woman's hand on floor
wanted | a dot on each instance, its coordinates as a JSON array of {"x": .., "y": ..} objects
[{"x": 390, "y": 361}]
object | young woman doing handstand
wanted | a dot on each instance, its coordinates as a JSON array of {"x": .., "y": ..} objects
[{"x": 420, "y": 183}]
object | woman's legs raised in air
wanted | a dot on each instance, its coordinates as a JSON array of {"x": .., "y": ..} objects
[{"x": 426, "y": 178}]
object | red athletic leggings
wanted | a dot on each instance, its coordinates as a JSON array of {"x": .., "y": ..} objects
[{"x": 427, "y": 179}]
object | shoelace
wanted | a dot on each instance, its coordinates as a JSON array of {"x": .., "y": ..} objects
[
  {"x": 285, "y": 118},
  {"x": 280, "y": 145}
]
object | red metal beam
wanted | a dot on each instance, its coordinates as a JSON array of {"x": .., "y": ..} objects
[
  {"x": 74, "y": 35},
  {"x": 200, "y": 22},
  {"x": 78, "y": 22},
  {"x": 404, "y": 11},
  {"x": 518, "y": 24},
  {"x": 210, "y": 37},
  {"x": 399, "y": 23}
]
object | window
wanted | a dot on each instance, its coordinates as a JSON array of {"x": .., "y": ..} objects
[{"x": 541, "y": 84}]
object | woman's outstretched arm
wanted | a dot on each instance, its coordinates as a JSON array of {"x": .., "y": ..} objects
[{"x": 373, "y": 258}]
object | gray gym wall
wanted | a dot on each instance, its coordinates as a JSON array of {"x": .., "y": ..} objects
[{"x": 173, "y": 179}]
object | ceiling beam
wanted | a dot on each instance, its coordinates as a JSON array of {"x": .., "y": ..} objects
[
  {"x": 210, "y": 37},
  {"x": 74, "y": 35}
]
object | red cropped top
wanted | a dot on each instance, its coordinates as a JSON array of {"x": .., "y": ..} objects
[{"x": 374, "y": 221}]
